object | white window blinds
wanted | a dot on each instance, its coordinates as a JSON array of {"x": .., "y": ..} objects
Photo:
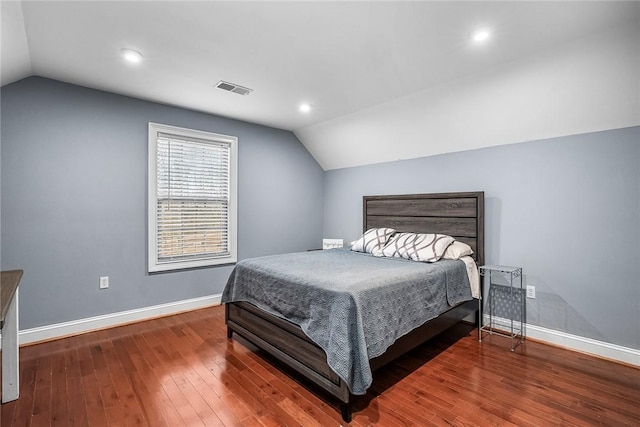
[{"x": 193, "y": 200}]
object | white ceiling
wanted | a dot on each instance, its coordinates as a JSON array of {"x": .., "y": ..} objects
[{"x": 341, "y": 57}]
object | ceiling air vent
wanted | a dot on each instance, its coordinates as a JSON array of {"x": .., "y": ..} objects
[{"x": 231, "y": 87}]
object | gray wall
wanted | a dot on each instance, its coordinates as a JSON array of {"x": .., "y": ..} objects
[
  {"x": 74, "y": 172},
  {"x": 566, "y": 209},
  {"x": 73, "y": 177}
]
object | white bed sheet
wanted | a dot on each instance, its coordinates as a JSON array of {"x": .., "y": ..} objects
[{"x": 474, "y": 276}]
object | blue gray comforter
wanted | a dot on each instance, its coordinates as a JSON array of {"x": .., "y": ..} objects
[{"x": 353, "y": 305}]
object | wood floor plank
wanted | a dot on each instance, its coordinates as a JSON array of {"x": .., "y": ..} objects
[
  {"x": 43, "y": 372},
  {"x": 117, "y": 359},
  {"x": 42, "y": 414},
  {"x": 269, "y": 397},
  {"x": 6, "y": 413},
  {"x": 219, "y": 407},
  {"x": 232, "y": 381},
  {"x": 204, "y": 411},
  {"x": 211, "y": 412},
  {"x": 109, "y": 396},
  {"x": 182, "y": 371},
  {"x": 76, "y": 414},
  {"x": 187, "y": 413},
  {"x": 59, "y": 400},
  {"x": 77, "y": 409},
  {"x": 23, "y": 407},
  {"x": 94, "y": 406},
  {"x": 151, "y": 400},
  {"x": 298, "y": 395}
]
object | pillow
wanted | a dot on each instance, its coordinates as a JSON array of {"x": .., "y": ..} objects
[
  {"x": 373, "y": 240},
  {"x": 418, "y": 247},
  {"x": 457, "y": 250}
]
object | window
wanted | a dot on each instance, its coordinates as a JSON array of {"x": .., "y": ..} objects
[{"x": 192, "y": 198}]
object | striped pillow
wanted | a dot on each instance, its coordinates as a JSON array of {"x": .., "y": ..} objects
[
  {"x": 373, "y": 240},
  {"x": 457, "y": 250},
  {"x": 418, "y": 247}
]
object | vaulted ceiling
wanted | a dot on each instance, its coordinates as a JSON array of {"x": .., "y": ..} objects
[{"x": 374, "y": 73}]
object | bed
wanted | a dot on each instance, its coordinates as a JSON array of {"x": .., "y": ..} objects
[{"x": 460, "y": 215}]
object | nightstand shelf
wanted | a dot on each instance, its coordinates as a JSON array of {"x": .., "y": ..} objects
[{"x": 503, "y": 306}]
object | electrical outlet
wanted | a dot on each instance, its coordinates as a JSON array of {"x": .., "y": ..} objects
[
  {"x": 104, "y": 282},
  {"x": 531, "y": 292}
]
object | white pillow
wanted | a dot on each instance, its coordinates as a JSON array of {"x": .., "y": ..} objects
[
  {"x": 457, "y": 250},
  {"x": 373, "y": 240},
  {"x": 418, "y": 247}
]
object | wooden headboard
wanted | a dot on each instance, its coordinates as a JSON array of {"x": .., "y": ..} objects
[{"x": 460, "y": 215}]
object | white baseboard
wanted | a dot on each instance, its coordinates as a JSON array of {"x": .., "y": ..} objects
[
  {"x": 574, "y": 342},
  {"x": 75, "y": 327}
]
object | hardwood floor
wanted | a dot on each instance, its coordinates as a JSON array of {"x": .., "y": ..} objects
[{"x": 182, "y": 371}]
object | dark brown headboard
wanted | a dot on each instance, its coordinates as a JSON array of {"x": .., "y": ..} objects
[{"x": 460, "y": 215}]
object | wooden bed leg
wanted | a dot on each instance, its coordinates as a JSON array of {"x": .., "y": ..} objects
[
  {"x": 229, "y": 332},
  {"x": 345, "y": 409}
]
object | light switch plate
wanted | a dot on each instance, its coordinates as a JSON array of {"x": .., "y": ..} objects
[{"x": 332, "y": 243}]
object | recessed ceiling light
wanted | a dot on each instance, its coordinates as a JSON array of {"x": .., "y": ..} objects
[
  {"x": 131, "y": 55},
  {"x": 304, "y": 108},
  {"x": 480, "y": 35}
]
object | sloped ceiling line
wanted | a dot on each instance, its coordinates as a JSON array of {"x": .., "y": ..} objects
[{"x": 16, "y": 59}]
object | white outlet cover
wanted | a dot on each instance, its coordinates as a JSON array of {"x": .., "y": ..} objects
[
  {"x": 531, "y": 291},
  {"x": 104, "y": 282}
]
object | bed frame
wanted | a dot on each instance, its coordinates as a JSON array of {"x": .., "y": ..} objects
[{"x": 460, "y": 215}]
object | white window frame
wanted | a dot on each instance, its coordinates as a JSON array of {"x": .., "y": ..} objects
[{"x": 152, "y": 248}]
